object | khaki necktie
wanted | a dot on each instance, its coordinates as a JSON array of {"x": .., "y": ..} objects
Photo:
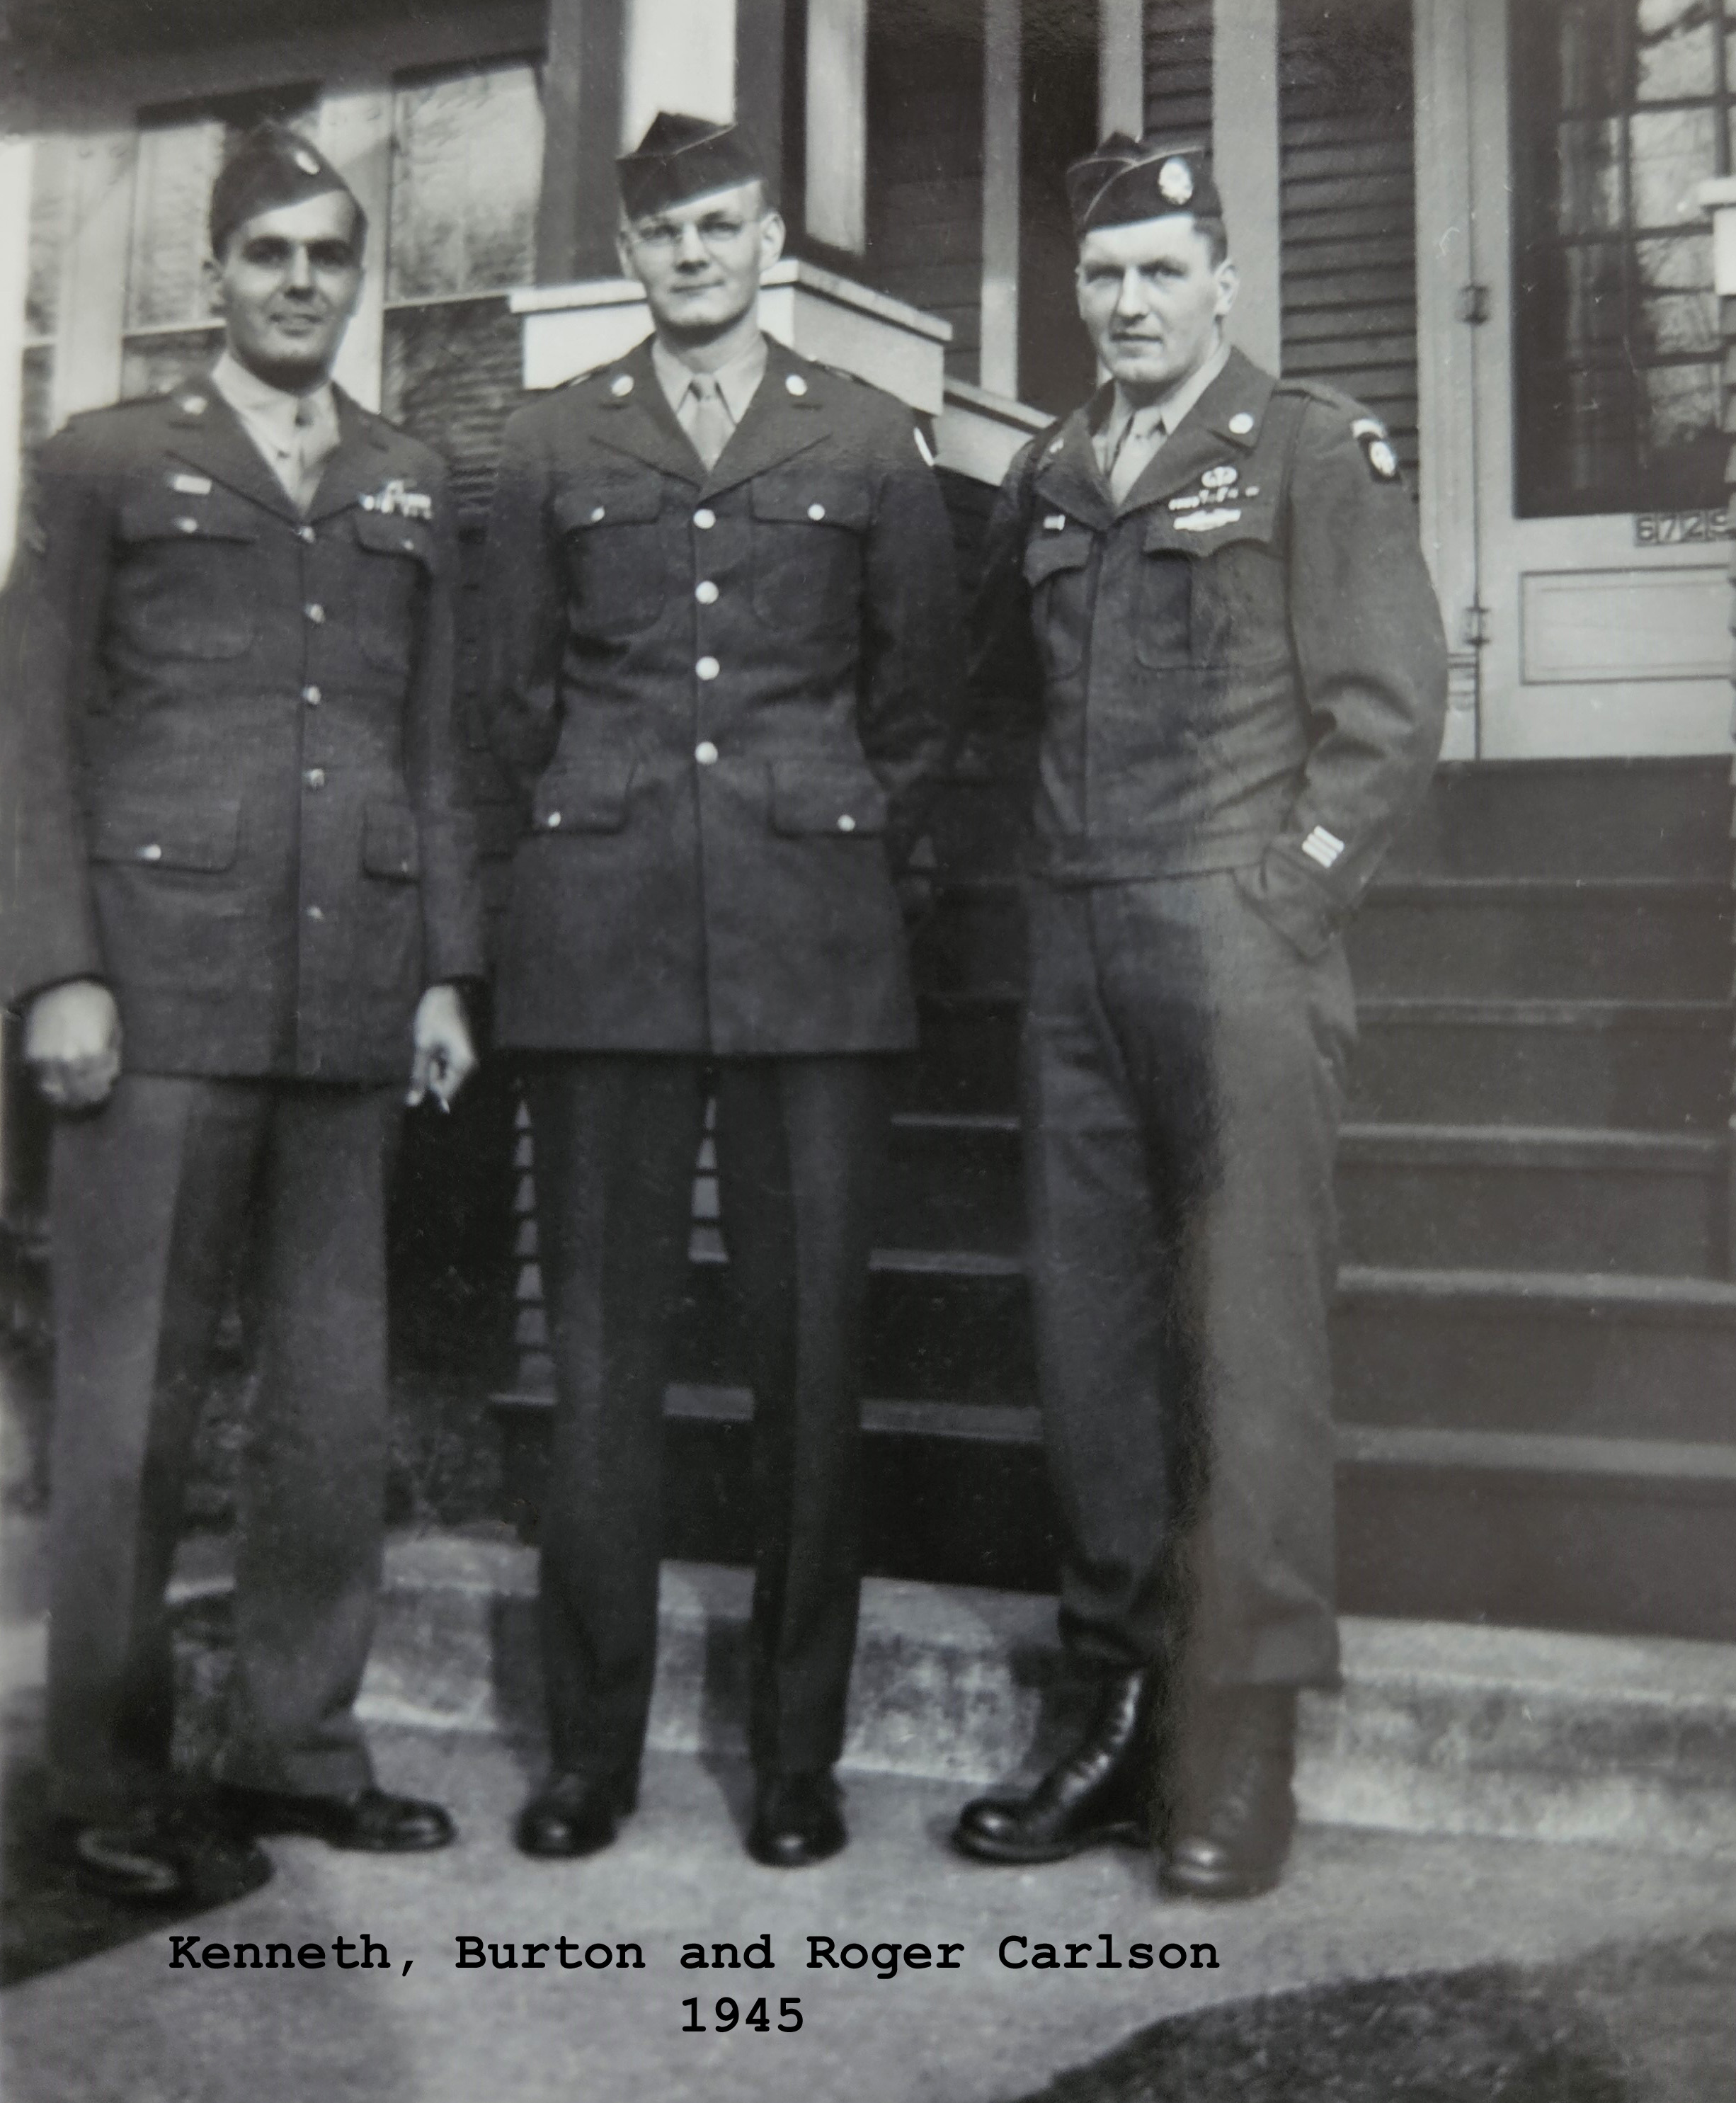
[
  {"x": 1132, "y": 455},
  {"x": 707, "y": 418}
]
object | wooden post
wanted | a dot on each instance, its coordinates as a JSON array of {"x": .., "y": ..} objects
[
  {"x": 1718, "y": 197},
  {"x": 582, "y": 87},
  {"x": 1001, "y": 197},
  {"x": 836, "y": 186},
  {"x": 1245, "y": 162},
  {"x": 761, "y": 59}
]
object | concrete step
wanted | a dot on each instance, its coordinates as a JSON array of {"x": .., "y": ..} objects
[
  {"x": 1549, "y": 1529},
  {"x": 1579, "y": 818},
  {"x": 1501, "y": 1732},
  {"x": 1435, "y": 937},
  {"x": 1630, "y": 1064},
  {"x": 1602, "y": 1355},
  {"x": 1434, "y": 1194},
  {"x": 1618, "y": 1064},
  {"x": 1543, "y": 938}
]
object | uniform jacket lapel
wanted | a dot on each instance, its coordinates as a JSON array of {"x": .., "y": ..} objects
[
  {"x": 356, "y": 467},
  {"x": 1205, "y": 437},
  {"x": 1067, "y": 476},
  {"x": 637, "y": 420},
  {"x": 782, "y": 420},
  {"x": 206, "y": 433}
]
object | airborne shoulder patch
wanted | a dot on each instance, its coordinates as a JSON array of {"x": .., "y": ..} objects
[{"x": 1377, "y": 448}]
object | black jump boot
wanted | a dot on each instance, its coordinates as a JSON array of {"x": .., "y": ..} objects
[{"x": 1105, "y": 1791}]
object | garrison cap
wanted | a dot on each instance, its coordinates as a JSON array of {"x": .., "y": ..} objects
[
  {"x": 1126, "y": 179},
  {"x": 684, "y": 157},
  {"x": 270, "y": 166}
]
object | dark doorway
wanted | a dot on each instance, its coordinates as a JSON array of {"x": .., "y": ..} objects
[{"x": 1059, "y": 122}]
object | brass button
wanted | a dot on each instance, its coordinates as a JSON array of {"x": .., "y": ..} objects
[
  {"x": 152, "y": 853},
  {"x": 816, "y": 512},
  {"x": 847, "y": 824},
  {"x": 314, "y": 913},
  {"x": 311, "y": 695},
  {"x": 706, "y": 593},
  {"x": 597, "y": 512},
  {"x": 708, "y": 667},
  {"x": 307, "y": 533},
  {"x": 706, "y": 753},
  {"x": 552, "y": 821},
  {"x": 187, "y": 525},
  {"x": 704, "y": 517},
  {"x": 315, "y": 777},
  {"x": 315, "y": 614}
]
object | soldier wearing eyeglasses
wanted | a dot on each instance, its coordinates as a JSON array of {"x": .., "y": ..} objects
[{"x": 720, "y": 585}]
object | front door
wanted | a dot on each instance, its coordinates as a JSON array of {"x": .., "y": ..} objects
[{"x": 1599, "y": 459}]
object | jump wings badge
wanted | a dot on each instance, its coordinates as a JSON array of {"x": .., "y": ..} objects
[{"x": 396, "y": 496}]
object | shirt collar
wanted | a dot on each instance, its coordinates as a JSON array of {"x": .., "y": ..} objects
[
  {"x": 738, "y": 382},
  {"x": 250, "y": 396},
  {"x": 1166, "y": 415}
]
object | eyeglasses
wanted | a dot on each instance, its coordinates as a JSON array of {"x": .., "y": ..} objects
[{"x": 716, "y": 230}]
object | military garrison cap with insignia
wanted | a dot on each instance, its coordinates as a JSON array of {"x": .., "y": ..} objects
[
  {"x": 1125, "y": 179},
  {"x": 271, "y": 167},
  {"x": 681, "y": 157}
]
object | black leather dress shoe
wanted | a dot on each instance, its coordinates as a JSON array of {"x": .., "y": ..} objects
[
  {"x": 572, "y": 1814},
  {"x": 1104, "y": 1792},
  {"x": 796, "y": 1821},
  {"x": 163, "y": 1856},
  {"x": 1233, "y": 1828},
  {"x": 372, "y": 1823}
]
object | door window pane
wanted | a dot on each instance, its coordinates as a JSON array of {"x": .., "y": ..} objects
[{"x": 1625, "y": 111}]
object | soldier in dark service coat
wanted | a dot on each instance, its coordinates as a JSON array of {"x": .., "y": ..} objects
[
  {"x": 241, "y": 901},
  {"x": 720, "y": 587},
  {"x": 1204, "y": 591}
]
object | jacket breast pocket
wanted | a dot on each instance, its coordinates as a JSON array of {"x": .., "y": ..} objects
[
  {"x": 808, "y": 528},
  {"x": 582, "y": 797},
  {"x": 391, "y": 843},
  {"x": 616, "y": 571},
  {"x": 1212, "y": 589},
  {"x": 186, "y": 575},
  {"x": 1057, "y": 572},
  {"x": 394, "y": 557}
]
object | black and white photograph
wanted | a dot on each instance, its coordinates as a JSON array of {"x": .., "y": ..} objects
[{"x": 868, "y": 1051}]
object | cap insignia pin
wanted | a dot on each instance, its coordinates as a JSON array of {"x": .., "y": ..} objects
[
  {"x": 795, "y": 383},
  {"x": 621, "y": 385},
  {"x": 1175, "y": 181},
  {"x": 1241, "y": 423}
]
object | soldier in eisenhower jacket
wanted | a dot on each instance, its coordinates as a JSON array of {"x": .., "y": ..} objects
[
  {"x": 721, "y": 580},
  {"x": 1204, "y": 591},
  {"x": 240, "y": 898}
]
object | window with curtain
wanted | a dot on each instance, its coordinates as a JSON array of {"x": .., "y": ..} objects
[
  {"x": 169, "y": 330},
  {"x": 1620, "y": 108}
]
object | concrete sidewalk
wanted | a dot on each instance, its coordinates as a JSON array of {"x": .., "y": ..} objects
[{"x": 127, "y": 2028}]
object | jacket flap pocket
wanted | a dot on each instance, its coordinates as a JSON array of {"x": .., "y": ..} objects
[
  {"x": 1047, "y": 553},
  {"x": 588, "y": 799},
  {"x": 821, "y": 796},
  {"x": 198, "y": 837},
  {"x": 391, "y": 841},
  {"x": 164, "y": 514},
  {"x": 1204, "y": 528},
  {"x": 607, "y": 499},
  {"x": 812, "y": 496},
  {"x": 389, "y": 534}
]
